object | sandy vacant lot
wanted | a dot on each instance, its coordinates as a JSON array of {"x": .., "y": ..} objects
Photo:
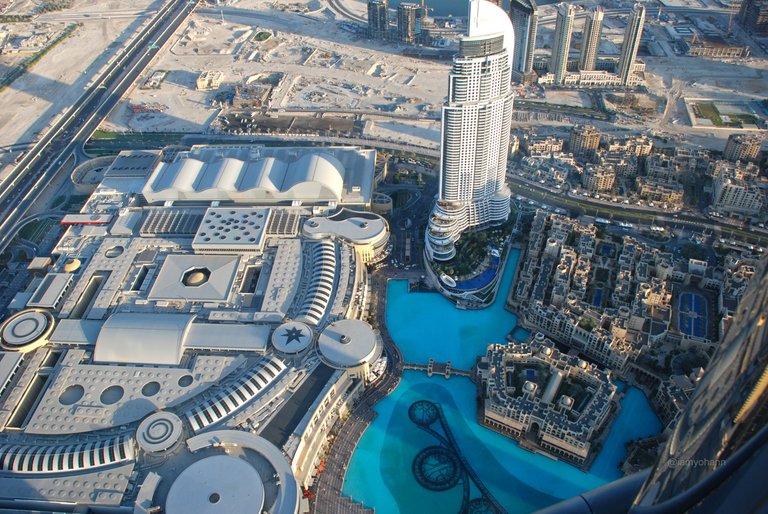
[
  {"x": 32, "y": 102},
  {"x": 323, "y": 69}
]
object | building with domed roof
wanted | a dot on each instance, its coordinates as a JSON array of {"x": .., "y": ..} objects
[{"x": 212, "y": 320}]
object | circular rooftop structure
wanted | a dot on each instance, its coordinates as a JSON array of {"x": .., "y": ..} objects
[
  {"x": 26, "y": 330},
  {"x": 219, "y": 484},
  {"x": 196, "y": 277},
  {"x": 159, "y": 432},
  {"x": 349, "y": 343},
  {"x": 72, "y": 265},
  {"x": 292, "y": 338}
]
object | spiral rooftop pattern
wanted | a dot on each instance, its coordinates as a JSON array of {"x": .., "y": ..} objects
[{"x": 159, "y": 432}]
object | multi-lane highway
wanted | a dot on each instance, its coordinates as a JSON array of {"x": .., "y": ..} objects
[{"x": 40, "y": 164}]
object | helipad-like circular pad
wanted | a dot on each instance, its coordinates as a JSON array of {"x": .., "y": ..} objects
[
  {"x": 26, "y": 330},
  {"x": 219, "y": 484},
  {"x": 292, "y": 338},
  {"x": 348, "y": 343}
]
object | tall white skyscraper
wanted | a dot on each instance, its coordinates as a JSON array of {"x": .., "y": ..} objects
[
  {"x": 631, "y": 43},
  {"x": 590, "y": 42},
  {"x": 475, "y": 132},
  {"x": 562, "y": 44}
]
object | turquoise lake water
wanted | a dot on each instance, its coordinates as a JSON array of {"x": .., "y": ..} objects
[{"x": 427, "y": 325}]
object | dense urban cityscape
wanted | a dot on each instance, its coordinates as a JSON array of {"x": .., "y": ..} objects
[{"x": 355, "y": 256}]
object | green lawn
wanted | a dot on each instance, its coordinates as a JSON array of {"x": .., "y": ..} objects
[
  {"x": 35, "y": 231},
  {"x": 103, "y": 134},
  {"x": 709, "y": 111}
]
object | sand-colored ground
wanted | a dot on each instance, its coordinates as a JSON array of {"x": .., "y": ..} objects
[
  {"x": 35, "y": 100},
  {"x": 323, "y": 68}
]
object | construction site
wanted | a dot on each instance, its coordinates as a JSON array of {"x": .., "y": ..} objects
[{"x": 276, "y": 70}]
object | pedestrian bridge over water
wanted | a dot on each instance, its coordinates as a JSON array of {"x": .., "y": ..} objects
[{"x": 441, "y": 368}]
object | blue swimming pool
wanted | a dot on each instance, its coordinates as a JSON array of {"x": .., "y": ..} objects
[
  {"x": 598, "y": 298},
  {"x": 382, "y": 471},
  {"x": 483, "y": 279},
  {"x": 693, "y": 314}
]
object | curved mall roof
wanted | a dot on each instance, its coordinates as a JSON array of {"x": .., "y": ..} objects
[
  {"x": 217, "y": 484},
  {"x": 355, "y": 227},
  {"x": 315, "y": 176},
  {"x": 143, "y": 338}
]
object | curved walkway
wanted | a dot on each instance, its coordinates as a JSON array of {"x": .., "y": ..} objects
[{"x": 329, "y": 499}]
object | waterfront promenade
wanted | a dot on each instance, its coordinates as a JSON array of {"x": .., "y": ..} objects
[{"x": 329, "y": 483}]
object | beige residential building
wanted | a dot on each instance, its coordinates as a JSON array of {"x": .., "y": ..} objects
[
  {"x": 584, "y": 141},
  {"x": 209, "y": 80},
  {"x": 641, "y": 145},
  {"x": 624, "y": 163},
  {"x": 537, "y": 144},
  {"x": 742, "y": 147},
  {"x": 735, "y": 188},
  {"x": 597, "y": 178},
  {"x": 656, "y": 190}
]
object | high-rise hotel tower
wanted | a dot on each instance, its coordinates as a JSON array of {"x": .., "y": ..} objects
[{"x": 475, "y": 132}]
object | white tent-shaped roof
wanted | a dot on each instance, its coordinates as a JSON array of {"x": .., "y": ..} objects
[{"x": 143, "y": 338}]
